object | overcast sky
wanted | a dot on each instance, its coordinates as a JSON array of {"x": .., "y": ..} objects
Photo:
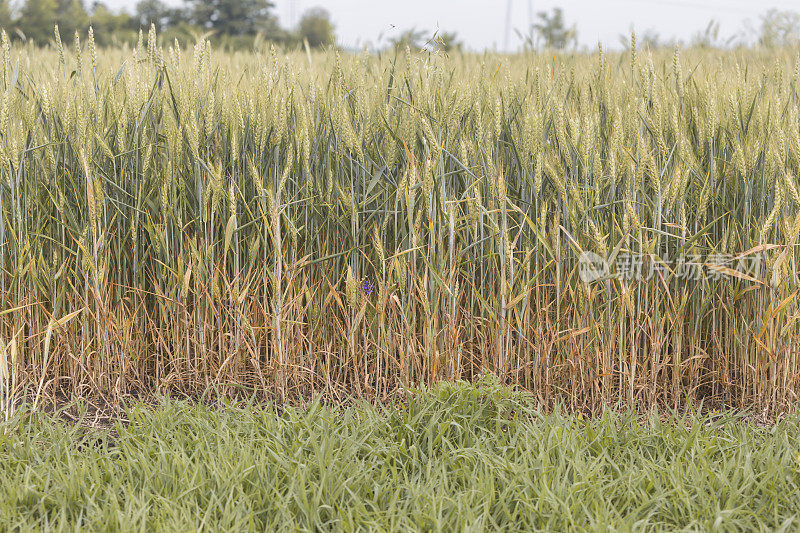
[{"x": 481, "y": 24}]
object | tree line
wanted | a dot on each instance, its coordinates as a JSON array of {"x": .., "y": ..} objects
[
  {"x": 775, "y": 28},
  {"x": 235, "y": 23},
  {"x": 230, "y": 22}
]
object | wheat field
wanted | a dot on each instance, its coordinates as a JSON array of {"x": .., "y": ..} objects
[{"x": 349, "y": 224}]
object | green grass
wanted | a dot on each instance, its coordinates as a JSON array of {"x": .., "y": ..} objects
[{"x": 455, "y": 458}]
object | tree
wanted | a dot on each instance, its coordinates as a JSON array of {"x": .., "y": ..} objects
[
  {"x": 316, "y": 28},
  {"x": 411, "y": 38},
  {"x": 553, "y": 31},
  {"x": 110, "y": 27},
  {"x": 448, "y": 42},
  {"x": 236, "y": 17},
  {"x": 152, "y": 12},
  {"x": 779, "y": 28},
  {"x": 5, "y": 15},
  {"x": 649, "y": 39},
  {"x": 70, "y": 16},
  {"x": 710, "y": 38},
  {"x": 38, "y": 18}
]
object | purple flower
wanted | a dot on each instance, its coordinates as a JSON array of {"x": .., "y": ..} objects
[{"x": 366, "y": 287}]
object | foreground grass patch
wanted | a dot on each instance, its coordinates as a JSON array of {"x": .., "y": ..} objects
[{"x": 457, "y": 457}]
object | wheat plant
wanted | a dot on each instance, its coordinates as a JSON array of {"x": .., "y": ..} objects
[{"x": 351, "y": 223}]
